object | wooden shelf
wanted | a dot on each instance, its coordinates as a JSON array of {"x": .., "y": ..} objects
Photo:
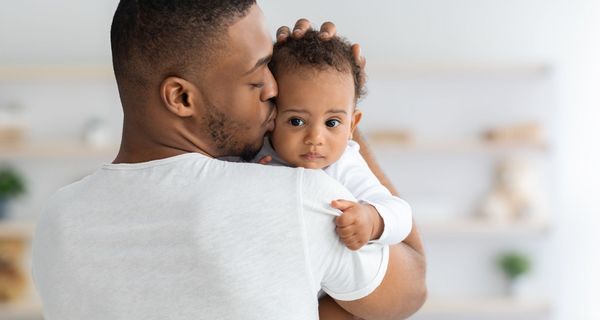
[
  {"x": 433, "y": 307},
  {"x": 483, "y": 228},
  {"x": 21, "y": 311},
  {"x": 377, "y": 71},
  {"x": 484, "y": 307},
  {"x": 54, "y": 72},
  {"x": 56, "y": 150},
  {"x": 16, "y": 229},
  {"x": 453, "y": 146}
]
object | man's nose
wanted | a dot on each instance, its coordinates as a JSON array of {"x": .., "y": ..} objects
[
  {"x": 270, "y": 90},
  {"x": 314, "y": 136}
]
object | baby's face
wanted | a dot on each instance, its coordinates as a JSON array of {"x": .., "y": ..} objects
[{"x": 315, "y": 117}]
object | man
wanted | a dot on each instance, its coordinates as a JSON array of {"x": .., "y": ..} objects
[{"x": 168, "y": 232}]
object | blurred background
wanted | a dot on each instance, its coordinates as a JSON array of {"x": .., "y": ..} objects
[{"x": 484, "y": 113}]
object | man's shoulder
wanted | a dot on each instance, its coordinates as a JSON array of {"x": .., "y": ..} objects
[
  {"x": 320, "y": 187},
  {"x": 250, "y": 169},
  {"x": 319, "y": 179}
]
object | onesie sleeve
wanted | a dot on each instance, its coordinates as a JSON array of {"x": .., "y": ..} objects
[
  {"x": 342, "y": 273},
  {"x": 353, "y": 172}
]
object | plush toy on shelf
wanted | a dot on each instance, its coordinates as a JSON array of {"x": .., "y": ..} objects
[{"x": 515, "y": 195}]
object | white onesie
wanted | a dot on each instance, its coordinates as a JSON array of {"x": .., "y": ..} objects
[{"x": 352, "y": 171}]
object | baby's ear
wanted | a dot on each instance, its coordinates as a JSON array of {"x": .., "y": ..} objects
[{"x": 356, "y": 116}]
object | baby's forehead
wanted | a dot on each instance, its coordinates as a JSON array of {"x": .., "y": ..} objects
[
  {"x": 316, "y": 109},
  {"x": 316, "y": 101},
  {"x": 310, "y": 72}
]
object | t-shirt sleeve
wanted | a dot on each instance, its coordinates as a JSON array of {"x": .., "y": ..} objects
[
  {"x": 341, "y": 273},
  {"x": 354, "y": 173}
]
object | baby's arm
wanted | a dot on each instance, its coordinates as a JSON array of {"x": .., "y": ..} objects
[
  {"x": 354, "y": 173},
  {"x": 358, "y": 224}
]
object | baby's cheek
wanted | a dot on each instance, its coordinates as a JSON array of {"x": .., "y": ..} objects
[
  {"x": 278, "y": 138},
  {"x": 283, "y": 144}
]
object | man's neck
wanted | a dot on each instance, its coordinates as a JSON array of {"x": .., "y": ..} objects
[
  {"x": 135, "y": 150},
  {"x": 128, "y": 155}
]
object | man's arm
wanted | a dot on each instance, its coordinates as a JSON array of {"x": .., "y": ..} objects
[{"x": 403, "y": 290}]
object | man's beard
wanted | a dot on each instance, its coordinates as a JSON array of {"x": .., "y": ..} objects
[
  {"x": 249, "y": 152},
  {"x": 222, "y": 132}
]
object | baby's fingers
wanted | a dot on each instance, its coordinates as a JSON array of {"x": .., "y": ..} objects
[
  {"x": 342, "y": 204},
  {"x": 345, "y": 220},
  {"x": 352, "y": 244},
  {"x": 345, "y": 232}
]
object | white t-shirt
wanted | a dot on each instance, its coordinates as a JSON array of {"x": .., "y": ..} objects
[
  {"x": 353, "y": 172},
  {"x": 190, "y": 237}
]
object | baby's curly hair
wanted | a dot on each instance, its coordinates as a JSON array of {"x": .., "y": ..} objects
[{"x": 312, "y": 52}]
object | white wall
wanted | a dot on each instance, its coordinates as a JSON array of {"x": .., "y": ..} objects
[
  {"x": 579, "y": 168},
  {"x": 562, "y": 33}
]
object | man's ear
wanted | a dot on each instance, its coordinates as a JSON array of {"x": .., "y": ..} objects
[
  {"x": 356, "y": 116},
  {"x": 179, "y": 96}
]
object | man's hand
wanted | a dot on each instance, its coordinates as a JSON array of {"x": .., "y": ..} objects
[
  {"x": 302, "y": 25},
  {"x": 358, "y": 223},
  {"x": 326, "y": 32},
  {"x": 265, "y": 159}
]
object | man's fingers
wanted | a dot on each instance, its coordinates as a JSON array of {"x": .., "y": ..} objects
[
  {"x": 327, "y": 31},
  {"x": 265, "y": 160},
  {"x": 282, "y": 33},
  {"x": 360, "y": 60},
  {"x": 358, "y": 57},
  {"x": 302, "y": 25}
]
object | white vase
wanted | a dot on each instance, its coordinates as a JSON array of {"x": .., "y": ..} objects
[{"x": 518, "y": 288}]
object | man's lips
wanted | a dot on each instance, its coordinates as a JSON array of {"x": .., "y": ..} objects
[
  {"x": 270, "y": 123},
  {"x": 312, "y": 156}
]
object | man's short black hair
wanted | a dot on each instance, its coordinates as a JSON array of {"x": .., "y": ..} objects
[
  {"x": 168, "y": 37},
  {"x": 313, "y": 53}
]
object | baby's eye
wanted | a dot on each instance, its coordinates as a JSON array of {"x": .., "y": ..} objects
[
  {"x": 333, "y": 123},
  {"x": 296, "y": 122}
]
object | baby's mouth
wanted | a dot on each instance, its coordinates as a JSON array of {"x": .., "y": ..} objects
[{"x": 312, "y": 156}]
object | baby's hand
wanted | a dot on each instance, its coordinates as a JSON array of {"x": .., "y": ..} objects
[{"x": 358, "y": 223}]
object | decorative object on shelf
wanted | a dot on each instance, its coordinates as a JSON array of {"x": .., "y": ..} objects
[
  {"x": 515, "y": 266},
  {"x": 391, "y": 136},
  {"x": 12, "y": 125},
  {"x": 13, "y": 281},
  {"x": 529, "y": 133},
  {"x": 515, "y": 195},
  {"x": 96, "y": 133},
  {"x": 11, "y": 185}
]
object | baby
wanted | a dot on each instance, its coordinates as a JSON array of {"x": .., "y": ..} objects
[{"x": 319, "y": 86}]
